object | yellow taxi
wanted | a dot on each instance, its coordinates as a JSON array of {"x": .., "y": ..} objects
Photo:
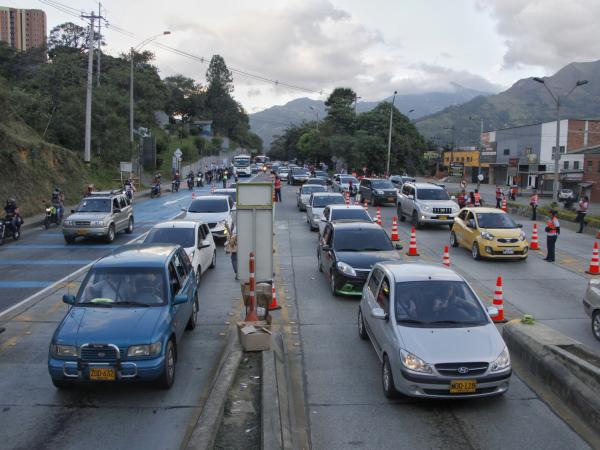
[{"x": 489, "y": 233}]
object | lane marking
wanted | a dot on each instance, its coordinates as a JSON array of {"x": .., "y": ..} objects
[
  {"x": 24, "y": 284},
  {"x": 44, "y": 262}
]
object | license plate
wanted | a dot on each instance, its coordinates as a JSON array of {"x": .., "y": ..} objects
[
  {"x": 443, "y": 217},
  {"x": 508, "y": 251},
  {"x": 102, "y": 374},
  {"x": 391, "y": 199},
  {"x": 82, "y": 232},
  {"x": 463, "y": 386}
]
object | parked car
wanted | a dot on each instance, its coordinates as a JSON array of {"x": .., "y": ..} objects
[
  {"x": 100, "y": 215},
  {"x": 215, "y": 210},
  {"x": 348, "y": 250},
  {"x": 317, "y": 203},
  {"x": 341, "y": 183},
  {"x": 128, "y": 318},
  {"x": 432, "y": 333},
  {"x": 426, "y": 203},
  {"x": 565, "y": 195},
  {"x": 591, "y": 305},
  {"x": 298, "y": 175},
  {"x": 489, "y": 233},
  {"x": 195, "y": 238},
  {"x": 377, "y": 191},
  {"x": 351, "y": 213},
  {"x": 231, "y": 192},
  {"x": 303, "y": 194}
]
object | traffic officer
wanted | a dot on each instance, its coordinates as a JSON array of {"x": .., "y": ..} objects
[
  {"x": 498, "y": 197},
  {"x": 552, "y": 232},
  {"x": 477, "y": 198},
  {"x": 533, "y": 202},
  {"x": 584, "y": 203}
]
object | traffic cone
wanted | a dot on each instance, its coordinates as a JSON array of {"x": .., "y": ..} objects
[
  {"x": 534, "y": 245},
  {"x": 504, "y": 204},
  {"x": 594, "y": 263},
  {"x": 366, "y": 206},
  {"x": 412, "y": 248},
  {"x": 498, "y": 301},
  {"x": 347, "y": 199},
  {"x": 446, "y": 258},
  {"x": 395, "y": 237},
  {"x": 273, "y": 304},
  {"x": 251, "y": 311},
  {"x": 378, "y": 217},
  {"x": 212, "y": 189},
  {"x": 193, "y": 195}
]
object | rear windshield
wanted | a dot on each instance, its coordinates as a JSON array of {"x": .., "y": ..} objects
[
  {"x": 209, "y": 205},
  {"x": 298, "y": 171},
  {"x": 319, "y": 173},
  {"x": 382, "y": 184},
  {"x": 350, "y": 214},
  {"x": 316, "y": 181},
  {"x": 436, "y": 303},
  {"x": 367, "y": 240},
  {"x": 322, "y": 201},
  {"x": 182, "y": 236},
  {"x": 310, "y": 188},
  {"x": 491, "y": 220},
  {"x": 432, "y": 194}
]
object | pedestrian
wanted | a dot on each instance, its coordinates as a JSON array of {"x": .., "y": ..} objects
[
  {"x": 461, "y": 199},
  {"x": 471, "y": 199},
  {"x": 498, "y": 197},
  {"x": 477, "y": 198},
  {"x": 584, "y": 203},
  {"x": 231, "y": 248},
  {"x": 225, "y": 174},
  {"x": 552, "y": 232},
  {"x": 533, "y": 202},
  {"x": 277, "y": 185}
]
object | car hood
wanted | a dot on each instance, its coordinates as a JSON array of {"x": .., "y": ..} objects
[
  {"x": 122, "y": 326},
  {"x": 514, "y": 233},
  {"x": 206, "y": 217},
  {"x": 88, "y": 216},
  {"x": 439, "y": 203},
  {"x": 445, "y": 345},
  {"x": 366, "y": 260}
]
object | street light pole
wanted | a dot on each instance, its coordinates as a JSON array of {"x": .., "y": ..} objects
[
  {"x": 556, "y": 155},
  {"x": 389, "y": 152}
]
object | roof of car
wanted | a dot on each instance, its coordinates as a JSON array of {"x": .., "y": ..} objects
[
  {"x": 421, "y": 184},
  {"x": 211, "y": 197},
  {"x": 224, "y": 190},
  {"x": 138, "y": 255},
  {"x": 480, "y": 209},
  {"x": 327, "y": 194},
  {"x": 178, "y": 224},
  {"x": 354, "y": 225},
  {"x": 346, "y": 207},
  {"x": 315, "y": 186},
  {"x": 408, "y": 271}
]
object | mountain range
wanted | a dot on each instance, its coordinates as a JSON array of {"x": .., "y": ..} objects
[{"x": 274, "y": 120}]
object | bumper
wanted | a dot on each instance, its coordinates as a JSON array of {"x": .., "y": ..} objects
[
  {"x": 386, "y": 198},
  {"x": 218, "y": 232},
  {"x": 439, "y": 387},
  {"x": 88, "y": 231},
  {"x": 351, "y": 286},
  {"x": 139, "y": 370},
  {"x": 587, "y": 307},
  {"x": 495, "y": 251},
  {"x": 437, "y": 219}
]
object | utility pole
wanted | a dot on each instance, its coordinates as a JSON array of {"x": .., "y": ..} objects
[
  {"x": 88, "y": 101},
  {"x": 389, "y": 152},
  {"x": 99, "y": 43},
  {"x": 480, "y": 151}
]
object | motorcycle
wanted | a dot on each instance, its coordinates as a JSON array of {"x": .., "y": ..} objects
[
  {"x": 199, "y": 181},
  {"x": 190, "y": 183},
  {"x": 175, "y": 186},
  {"x": 7, "y": 229},
  {"x": 155, "y": 190},
  {"x": 52, "y": 216},
  {"x": 128, "y": 193}
]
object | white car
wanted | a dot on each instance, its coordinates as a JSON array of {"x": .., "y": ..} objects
[
  {"x": 303, "y": 194},
  {"x": 230, "y": 192},
  {"x": 195, "y": 238},
  {"x": 317, "y": 203},
  {"x": 215, "y": 210},
  {"x": 351, "y": 213}
]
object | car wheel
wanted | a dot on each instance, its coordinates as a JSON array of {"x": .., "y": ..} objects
[
  {"x": 362, "y": 332},
  {"x": 596, "y": 325},
  {"x": 194, "y": 317},
  {"x": 453, "y": 240},
  {"x": 387, "y": 379},
  {"x": 475, "y": 251},
  {"x": 415, "y": 220},
  {"x": 111, "y": 234},
  {"x": 400, "y": 215},
  {"x": 332, "y": 283},
  {"x": 69, "y": 239},
  {"x": 62, "y": 384},
  {"x": 167, "y": 378},
  {"x": 213, "y": 262},
  {"x": 129, "y": 228},
  {"x": 319, "y": 261}
]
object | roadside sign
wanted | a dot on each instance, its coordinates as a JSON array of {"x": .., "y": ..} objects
[
  {"x": 480, "y": 177},
  {"x": 456, "y": 169},
  {"x": 126, "y": 167},
  {"x": 178, "y": 153},
  {"x": 463, "y": 184}
]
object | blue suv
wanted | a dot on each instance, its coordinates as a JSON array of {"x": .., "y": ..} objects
[{"x": 127, "y": 319}]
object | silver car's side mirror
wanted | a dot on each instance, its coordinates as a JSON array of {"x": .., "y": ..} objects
[
  {"x": 492, "y": 311},
  {"x": 378, "y": 313}
]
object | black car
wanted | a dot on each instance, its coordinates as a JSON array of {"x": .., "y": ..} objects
[
  {"x": 318, "y": 181},
  {"x": 321, "y": 174},
  {"x": 298, "y": 175},
  {"x": 377, "y": 191},
  {"x": 347, "y": 252}
]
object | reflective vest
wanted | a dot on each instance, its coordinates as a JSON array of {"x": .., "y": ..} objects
[
  {"x": 477, "y": 199},
  {"x": 277, "y": 184},
  {"x": 552, "y": 226}
]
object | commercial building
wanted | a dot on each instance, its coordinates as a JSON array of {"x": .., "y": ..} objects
[
  {"x": 465, "y": 163},
  {"x": 524, "y": 155},
  {"x": 22, "y": 29}
]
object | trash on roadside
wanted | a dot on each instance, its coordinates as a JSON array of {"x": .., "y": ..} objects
[{"x": 254, "y": 336}]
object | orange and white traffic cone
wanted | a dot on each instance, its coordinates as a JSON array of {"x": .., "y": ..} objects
[
  {"x": 498, "y": 301},
  {"x": 504, "y": 204},
  {"x": 534, "y": 245},
  {"x": 595, "y": 262},
  {"x": 395, "y": 236},
  {"x": 446, "y": 257},
  {"x": 378, "y": 216},
  {"x": 273, "y": 304},
  {"x": 347, "y": 199},
  {"x": 366, "y": 206},
  {"x": 251, "y": 312},
  {"x": 212, "y": 189},
  {"x": 412, "y": 247},
  {"x": 193, "y": 195}
]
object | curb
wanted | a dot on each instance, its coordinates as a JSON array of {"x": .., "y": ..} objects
[
  {"x": 271, "y": 415},
  {"x": 209, "y": 421},
  {"x": 562, "y": 364}
]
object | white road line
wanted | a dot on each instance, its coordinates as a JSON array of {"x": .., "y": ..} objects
[{"x": 66, "y": 278}]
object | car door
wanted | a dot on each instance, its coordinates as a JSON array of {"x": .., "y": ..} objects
[
  {"x": 459, "y": 225},
  {"x": 326, "y": 252},
  {"x": 370, "y": 292},
  {"x": 386, "y": 334},
  {"x": 124, "y": 214},
  {"x": 326, "y": 217},
  {"x": 177, "y": 311},
  {"x": 201, "y": 255},
  {"x": 470, "y": 230},
  {"x": 309, "y": 207},
  {"x": 183, "y": 267}
]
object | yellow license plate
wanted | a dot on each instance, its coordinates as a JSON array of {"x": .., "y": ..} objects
[
  {"x": 102, "y": 374},
  {"x": 82, "y": 232},
  {"x": 463, "y": 386},
  {"x": 443, "y": 217}
]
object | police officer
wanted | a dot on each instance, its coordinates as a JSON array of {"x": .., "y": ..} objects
[{"x": 552, "y": 232}]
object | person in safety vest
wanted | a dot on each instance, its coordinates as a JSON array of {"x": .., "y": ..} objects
[
  {"x": 498, "y": 197},
  {"x": 552, "y": 232},
  {"x": 477, "y": 198}
]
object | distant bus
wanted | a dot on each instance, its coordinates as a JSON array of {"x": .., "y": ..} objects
[
  {"x": 262, "y": 159},
  {"x": 241, "y": 164}
]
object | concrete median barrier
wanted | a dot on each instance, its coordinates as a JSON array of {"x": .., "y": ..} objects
[{"x": 570, "y": 369}]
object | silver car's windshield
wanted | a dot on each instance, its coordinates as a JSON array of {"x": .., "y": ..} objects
[
  {"x": 437, "y": 304},
  {"x": 322, "y": 201},
  {"x": 94, "y": 205},
  {"x": 181, "y": 236},
  {"x": 121, "y": 286},
  {"x": 309, "y": 189},
  {"x": 432, "y": 194}
]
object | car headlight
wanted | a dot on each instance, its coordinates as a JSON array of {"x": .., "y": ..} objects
[
  {"x": 222, "y": 222},
  {"x": 68, "y": 223},
  {"x": 426, "y": 208},
  {"x": 502, "y": 362},
  {"x": 346, "y": 269},
  {"x": 522, "y": 236},
  {"x": 486, "y": 235},
  {"x": 316, "y": 216},
  {"x": 414, "y": 363},
  {"x": 97, "y": 223},
  {"x": 379, "y": 191},
  {"x": 64, "y": 350},
  {"x": 144, "y": 350}
]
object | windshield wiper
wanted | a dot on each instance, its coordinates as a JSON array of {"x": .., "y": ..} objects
[
  {"x": 145, "y": 305},
  {"x": 95, "y": 304},
  {"x": 456, "y": 322},
  {"x": 418, "y": 322},
  {"x": 372, "y": 249}
]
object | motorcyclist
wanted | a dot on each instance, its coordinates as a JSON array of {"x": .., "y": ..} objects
[
  {"x": 129, "y": 188},
  {"x": 89, "y": 190},
  {"x": 58, "y": 202},
  {"x": 13, "y": 214},
  {"x": 176, "y": 180},
  {"x": 156, "y": 183},
  {"x": 190, "y": 180}
]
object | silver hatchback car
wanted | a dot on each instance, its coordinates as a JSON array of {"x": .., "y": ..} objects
[
  {"x": 591, "y": 305},
  {"x": 433, "y": 335}
]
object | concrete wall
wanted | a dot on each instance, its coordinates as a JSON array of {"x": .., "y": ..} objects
[
  {"x": 516, "y": 140},
  {"x": 549, "y": 139}
]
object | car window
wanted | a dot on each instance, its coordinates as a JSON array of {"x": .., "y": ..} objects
[
  {"x": 180, "y": 267},
  {"x": 495, "y": 220},
  {"x": 382, "y": 184},
  {"x": 350, "y": 214},
  {"x": 383, "y": 296},
  {"x": 179, "y": 236},
  {"x": 187, "y": 265},
  {"x": 432, "y": 194},
  {"x": 463, "y": 215},
  {"x": 374, "y": 280},
  {"x": 115, "y": 203},
  {"x": 326, "y": 213},
  {"x": 329, "y": 237},
  {"x": 470, "y": 216},
  {"x": 201, "y": 234},
  {"x": 321, "y": 201},
  {"x": 209, "y": 205},
  {"x": 362, "y": 240},
  {"x": 405, "y": 189},
  {"x": 206, "y": 230},
  {"x": 127, "y": 201},
  {"x": 94, "y": 205},
  {"x": 122, "y": 202},
  {"x": 174, "y": 284}
]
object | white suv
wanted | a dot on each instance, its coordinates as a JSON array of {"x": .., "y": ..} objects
[{"x": 426, "y": 203}]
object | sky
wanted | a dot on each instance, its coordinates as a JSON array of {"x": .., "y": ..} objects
[{"x": 375, "y": 47}]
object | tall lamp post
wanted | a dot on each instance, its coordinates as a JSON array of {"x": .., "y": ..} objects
[
  {"x": 390, "y": 134},
  {"x": 480, "y": 149},
  {"x": 557, "y": 101}
]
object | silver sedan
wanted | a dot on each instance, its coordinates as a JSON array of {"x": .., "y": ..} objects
[
  {"x": 432, "y": 334},
  {"x": 591, "y": 304}
]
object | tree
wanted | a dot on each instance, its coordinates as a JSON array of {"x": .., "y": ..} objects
[
  {"x": 340, "y": 111},
  {"x": 218, "y": 76},
  {"x": 67, "y": 37}
]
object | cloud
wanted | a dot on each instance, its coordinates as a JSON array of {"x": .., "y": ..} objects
[
  {"x": 253, "y": 92},
  {"x": 546, "y": 33}
]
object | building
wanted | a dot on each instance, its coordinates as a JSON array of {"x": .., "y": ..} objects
[
  {"x": 465, "y": 161},
  {"x": 22, "y": 29},
  {"x": 590, "y": 184},
  {"x": 524, "y": 155}
]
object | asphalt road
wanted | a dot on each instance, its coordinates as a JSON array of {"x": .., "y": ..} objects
[{"x": 343, "y": 397}]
